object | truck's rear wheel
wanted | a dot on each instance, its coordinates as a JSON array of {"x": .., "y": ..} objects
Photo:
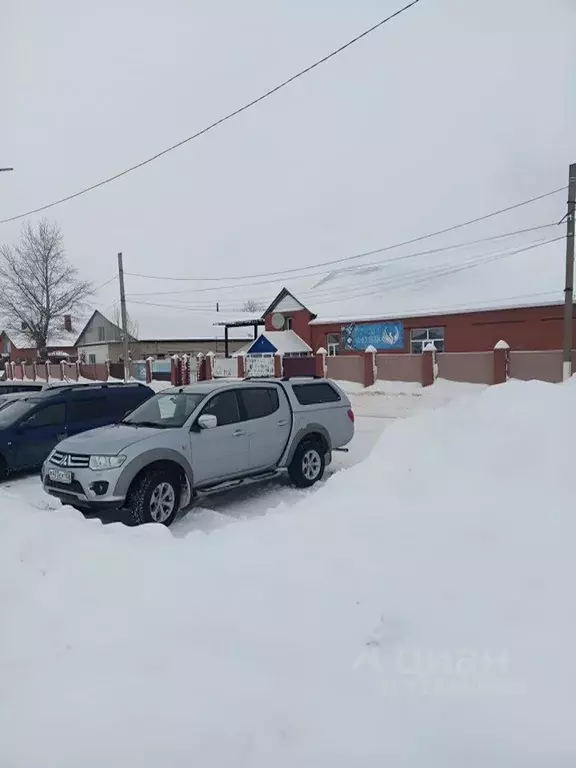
[
  {"x": 155, "y": 498},
  {"x": 308, "y": 464}
]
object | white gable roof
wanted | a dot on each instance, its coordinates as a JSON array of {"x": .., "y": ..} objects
[{"x": 286, "y": 342}]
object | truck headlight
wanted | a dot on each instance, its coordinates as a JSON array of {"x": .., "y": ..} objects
[{"x": 106, "y": 462}]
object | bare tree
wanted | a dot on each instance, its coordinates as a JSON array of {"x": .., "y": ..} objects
[
  {"x": 252, "y": 306},
  {"x": 38, "y": 285},
  {"x": 132, "y": 324}
]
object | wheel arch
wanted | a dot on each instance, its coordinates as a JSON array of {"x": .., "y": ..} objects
[
  {"x": 156, "y": 459},
  {"x": 310, "y": 432}
]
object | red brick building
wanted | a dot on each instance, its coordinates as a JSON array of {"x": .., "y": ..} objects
[{"x": 524, "y": 328}]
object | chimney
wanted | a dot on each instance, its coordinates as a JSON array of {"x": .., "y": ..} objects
[{"x": 67, "y": 322}]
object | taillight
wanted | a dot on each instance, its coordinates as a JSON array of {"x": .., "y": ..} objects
[{"x": 351, "y": 415}]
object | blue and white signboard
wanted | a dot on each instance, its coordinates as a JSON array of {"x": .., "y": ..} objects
[{"x": 356, "y": 338}]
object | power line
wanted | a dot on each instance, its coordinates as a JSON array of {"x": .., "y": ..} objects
[
  {"x": 103, "y": 285},
  {"x": 395, "y": 282},
  {"x": 413, "y": 279},
  {"x": 327, "y": 288},
  {"x": 323, "y": 272},
  {"x": 360, "y": 255},
  {"x": 220, "y": 120}
]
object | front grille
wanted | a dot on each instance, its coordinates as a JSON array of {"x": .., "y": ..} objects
[{"x": 72, "y": 460}]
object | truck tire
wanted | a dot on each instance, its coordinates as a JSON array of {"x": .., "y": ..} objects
[
  {"x": 155, "y": 497},
  {"x": 308, "y": 464}
]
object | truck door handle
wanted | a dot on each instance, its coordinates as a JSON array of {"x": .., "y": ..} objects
[
  {"x": 282, "y": 422},
  {"x": 238, "y": 432}
]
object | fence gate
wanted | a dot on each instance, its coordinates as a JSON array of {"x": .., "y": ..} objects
[
  {"x": 259, "y": 366},
  {"x": 225, "y": 367}
]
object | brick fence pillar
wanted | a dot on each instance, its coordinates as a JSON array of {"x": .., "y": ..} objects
[
  {"x": 278, "y": 365},
  {"x": 428, "y": 365},
  {"x": 185, "y": 360},
  {"x": 370, "y": 370},
  {"x": 107, "y": 364},
  {"x": 210, "y": 365},
  {"x": 174, "y": 361},
  {"x": 321, "y": 368},
  {"x": 501, "y": 358},
  {"x": 241, "y": 357},
  {"x": 200, "y": 367}
]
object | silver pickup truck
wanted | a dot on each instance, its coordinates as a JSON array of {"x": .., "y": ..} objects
[{"x": 149, "y": 466}]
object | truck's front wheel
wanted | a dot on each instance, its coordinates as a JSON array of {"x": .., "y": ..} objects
[
  {"x": 155, "y": 498},
  {"x": 308, "y": 464}
]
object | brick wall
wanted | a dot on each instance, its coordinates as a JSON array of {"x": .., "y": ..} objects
[{"x": 525, "y": 329}]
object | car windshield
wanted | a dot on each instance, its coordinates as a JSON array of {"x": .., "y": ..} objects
[
  {"x": 166, "y": 410},
  {"x": 16, "y": 410}
]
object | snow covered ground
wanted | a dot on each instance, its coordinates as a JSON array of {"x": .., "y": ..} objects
[{"x": 413, "y": 611}]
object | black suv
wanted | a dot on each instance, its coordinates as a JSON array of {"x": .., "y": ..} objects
[{"x": 32, "y": 425}]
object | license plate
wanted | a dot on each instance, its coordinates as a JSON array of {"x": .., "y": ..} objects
[{"x": 60, "y": 475}]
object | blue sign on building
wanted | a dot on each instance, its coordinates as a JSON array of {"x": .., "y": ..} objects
[{"x": 355, "y": 337}]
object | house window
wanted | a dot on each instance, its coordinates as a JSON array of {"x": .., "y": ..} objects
[
  {"x": 333, "y": 344},
  {"x": 91, "y": 359},
  {"x": 288, "y": 324},
  {"x": 101, "y": 333},
  {"x": 420, "y": 337}
]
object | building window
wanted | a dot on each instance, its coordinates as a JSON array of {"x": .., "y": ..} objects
[
  {"x": 288, "y": 323},
  {"x": 333, "y": 344},
  {"x": 101, "y": 333},
  {"x": 91, "y": 359},
  {"x": 420, "y": 337}
]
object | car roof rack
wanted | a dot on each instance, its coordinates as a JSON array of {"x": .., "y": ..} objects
[
  {"x": 302, "y": 376},
  {"x": 80, "y": 386}
]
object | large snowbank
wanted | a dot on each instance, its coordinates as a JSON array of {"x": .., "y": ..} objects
[{"x": 415, "y": 611}]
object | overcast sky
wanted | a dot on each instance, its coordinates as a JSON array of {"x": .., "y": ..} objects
[{"x": 454, "y": 109}]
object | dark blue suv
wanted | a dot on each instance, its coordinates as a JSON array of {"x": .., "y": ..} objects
[{"x": 31, "y": 426}]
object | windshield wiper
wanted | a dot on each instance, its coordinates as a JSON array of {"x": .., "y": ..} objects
[{"x": 152, "y": 424}]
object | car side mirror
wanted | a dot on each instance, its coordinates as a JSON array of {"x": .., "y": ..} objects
[
  {"x": 29, "y": 422},
  {"x": 207, "y": 421}
]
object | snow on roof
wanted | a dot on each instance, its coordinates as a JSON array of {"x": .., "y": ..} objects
[
  {"x": 230, "y": 318},
  {"x": 157, "y": 323},
  {"x": 436, "y": 284},
  {"x": 286, "y": 342},
  {"x": 58, "y": 338}
]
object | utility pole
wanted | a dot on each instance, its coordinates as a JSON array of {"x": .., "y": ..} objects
[
  {"x": 124, "y": 318},
  {"x": 569, "y": 284}
]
